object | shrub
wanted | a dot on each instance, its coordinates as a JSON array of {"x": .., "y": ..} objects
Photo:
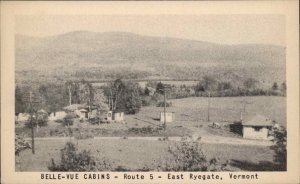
[
  {"x": 42, "y": 119},
  {"x": 280, "y": 148},
  {"x": 71, "y": 160},
  {"x": 162, "y": 104},
  {"x": 145, "y": 130},
  {"x": 20, "y": 145},
  {"x": 188, "y": 156},
  {"x": 68, "y": 120}
]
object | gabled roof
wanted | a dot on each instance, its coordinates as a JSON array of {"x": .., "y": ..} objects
[
  {"x": 42, "y": 111},
  {"x": 258, "y": 120},
  {"x": 83, "y": 110}
]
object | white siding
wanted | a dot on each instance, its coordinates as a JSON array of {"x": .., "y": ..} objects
[
  {"x": 250, "y": 133},
  {"x": 170, "y": 117}
]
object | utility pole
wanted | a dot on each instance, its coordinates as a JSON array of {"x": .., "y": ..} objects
[
  {"x": 165, "y": 125},
  {"x": 208, "y": 107},
  {"x": 165, "y": 103},
  {"x": 29, "y": 98}
]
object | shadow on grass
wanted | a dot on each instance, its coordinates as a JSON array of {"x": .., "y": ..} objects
[
  {"x": 156, "y": 119},
  {"x": 261, "y": 166},
  {"x": 146, "y": 122}
]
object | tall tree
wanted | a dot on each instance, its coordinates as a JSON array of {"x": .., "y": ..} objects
[
  {"x": 275, "y": 86},
  {"x": 250, "y": 84},
  {"x": 283, "y": 88},
  {"x": 19, "y": 104}
]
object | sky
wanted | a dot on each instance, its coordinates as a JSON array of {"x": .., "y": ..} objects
[{"x": 223, "y": 29}]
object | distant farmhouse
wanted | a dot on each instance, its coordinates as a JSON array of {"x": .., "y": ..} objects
[{"x": 257, "y": 128}]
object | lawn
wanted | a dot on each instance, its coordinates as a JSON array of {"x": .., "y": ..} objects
[{"x": 135, "y": 154}]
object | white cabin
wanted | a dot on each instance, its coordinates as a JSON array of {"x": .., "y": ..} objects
[
  {"x": 170, "y": 117},
  {"x": 257, "y": 128}
]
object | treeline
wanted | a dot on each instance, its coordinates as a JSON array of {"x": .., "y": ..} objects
[
  {"x": 129, "y": 96},
  {"x": 116, "y": 96},
  {"x": 209, "y": 86}
]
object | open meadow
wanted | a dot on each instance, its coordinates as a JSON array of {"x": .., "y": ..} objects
[
  {"x": 135, "y": 155},
  {"x": 190, "y": 117}
]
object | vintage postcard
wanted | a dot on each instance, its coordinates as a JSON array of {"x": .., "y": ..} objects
[{"x": 150, "y": 92}]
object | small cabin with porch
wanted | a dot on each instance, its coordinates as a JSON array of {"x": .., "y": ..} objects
[{"x": 257, "y": 128}]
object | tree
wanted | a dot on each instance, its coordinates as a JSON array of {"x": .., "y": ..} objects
[
  {"x": 132, "y": 98},
  {"x": 71, "y": 160},
  {"x": 124, "y": 96},
  {"x": 280, "y": 148},
  {"x": 114, "y": 92},
  {"x": 80, "y": 92},
  {"x": 160, "y": 88},
  {"x": 283, "y": 88},
  {"x": 99, "y": 100},
  {"x": 275, "y": 86},
  {"x": 250, "y": 84},
  {"x": 207, "y": 84},
  {"x": 54, "y": 97},
  {"x": 19, "y": 104},
  {"x": 71, "y": 91},
  {"x": 188, "y": 156}
]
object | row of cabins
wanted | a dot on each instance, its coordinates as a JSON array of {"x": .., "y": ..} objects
[
  {"x": 82, "y": 112},
  {"x": 257, "y": 128}
]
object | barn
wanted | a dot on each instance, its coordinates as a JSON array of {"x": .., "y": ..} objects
[{"x": 257, "y": 128}]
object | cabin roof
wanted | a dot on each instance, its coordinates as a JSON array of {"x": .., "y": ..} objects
[{"x": 259, "y": 120}]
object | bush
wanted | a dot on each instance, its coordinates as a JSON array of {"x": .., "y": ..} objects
[
  {"x": 42, "y": 119},
  {"x": 73, "y": 161},
  {"x": 162, "y": 104},
  {"x": 280, "y": 148},
  {"x": 20, "y": 145},
  {"x": 146, "y": 130},
  {"x": 68, "y": 120},
  {"x": 188, "y": 156}
]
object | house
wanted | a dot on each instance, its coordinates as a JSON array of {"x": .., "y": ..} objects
[
  {"x": 22, "y": 117},
  {"x": 118, "y": 116},
  {"x": 82, "y": 113},
  {"x": 57, "y": 115},
  {"x": 170, "y": 117},
  {"x": 115, "y": 116},
  {"x": 257, "y": 128},
  {"x": 80, "y": 110}
]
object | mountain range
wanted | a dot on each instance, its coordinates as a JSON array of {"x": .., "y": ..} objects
[{"x": 92, "y": 55}]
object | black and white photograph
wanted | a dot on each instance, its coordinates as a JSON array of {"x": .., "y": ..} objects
[{"x": 151, "y": 93}]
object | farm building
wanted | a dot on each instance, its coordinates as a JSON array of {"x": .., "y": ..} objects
[
  {"x": 115, "y": 116},
  {"x": 57, "y": 115},
  {"x": 257, "y": 128},
  {"x": 170, "y": 117}
]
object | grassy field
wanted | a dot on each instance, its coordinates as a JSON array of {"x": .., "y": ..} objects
[
  {"x": 137, "y": 154},
  {"x": 191, "y": 117}
]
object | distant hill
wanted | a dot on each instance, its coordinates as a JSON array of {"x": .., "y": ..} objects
[{"x": 91, "y": 55}]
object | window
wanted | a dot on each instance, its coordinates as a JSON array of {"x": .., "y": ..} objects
[{"x": 257, "y": 129}]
